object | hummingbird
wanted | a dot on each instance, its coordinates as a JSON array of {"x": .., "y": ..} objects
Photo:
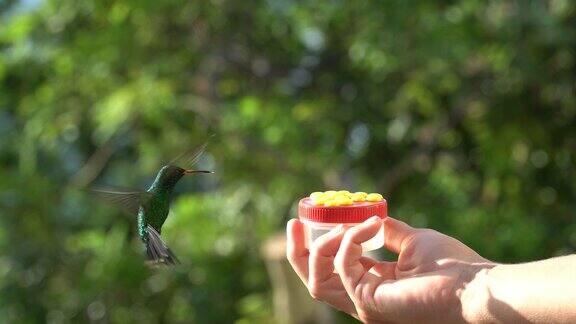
[{"x": 151, "y": 207}]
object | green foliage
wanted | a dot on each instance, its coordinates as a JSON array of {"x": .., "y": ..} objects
[{"x": 461, "y": 113}]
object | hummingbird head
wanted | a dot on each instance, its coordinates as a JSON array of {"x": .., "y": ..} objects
[{"x": 169, "y": 175}]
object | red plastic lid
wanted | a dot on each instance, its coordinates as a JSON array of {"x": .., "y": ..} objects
[{"x": 355, "y": 213}]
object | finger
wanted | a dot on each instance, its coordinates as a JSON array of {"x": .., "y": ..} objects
[
  {"x": 296, "y": 251},
  {"x": 347, "y": 260},
  {"x": 322, "y": 255},
  {"x": 323, "y": 283},
  {"x": 397, "y": 234}
]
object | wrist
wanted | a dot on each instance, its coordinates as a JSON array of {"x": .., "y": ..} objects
[{"x": 475, "y": 293}]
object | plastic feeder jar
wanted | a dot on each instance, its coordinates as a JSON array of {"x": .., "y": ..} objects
[{"x": 319, "y": 220}]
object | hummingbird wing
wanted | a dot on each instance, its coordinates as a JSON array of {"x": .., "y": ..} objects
[
  {"x": 127, "y": 199},
  {"x": 190, "y": 157}
]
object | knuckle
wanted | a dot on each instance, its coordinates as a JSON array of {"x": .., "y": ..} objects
[
  {"x": 349, "y": 235},
  {"x": 345, "y": 246},
  {"x": 319, "y": 248},
  {"x": 315, "y": 290},
  {"x": 315, "y": 248},
  {"x": 314, "y": 252},
  {"x": 292, "y": 257},
  {"x": 339, "y": 261}
]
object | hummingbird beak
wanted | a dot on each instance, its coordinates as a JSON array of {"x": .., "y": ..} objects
[{"x": 197, "y": 171}]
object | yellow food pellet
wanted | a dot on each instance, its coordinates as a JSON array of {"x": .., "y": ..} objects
[
  {"x": 330, "y": 193},
  {"x": 331, "y": 203},
  {"x": 339, "y": 194},
  {"x": 320, "y": 200},
  {"x": 361, "y": 193},
  {"x": 343, "y": 201},
  {"x": 316, "y": 194},
  {"x": 358, "y": 197},
  {"x": 374, "y": 197},
  {"x": 344, "y": 192}
]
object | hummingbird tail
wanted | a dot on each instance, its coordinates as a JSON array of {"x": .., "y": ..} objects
[{"x": 157, "y": 251}]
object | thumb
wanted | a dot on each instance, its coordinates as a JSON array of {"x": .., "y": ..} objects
[{"x": 396, "y": 234}]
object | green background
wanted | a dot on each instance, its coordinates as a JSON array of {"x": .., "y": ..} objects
[{"x": 462, "y": 113}]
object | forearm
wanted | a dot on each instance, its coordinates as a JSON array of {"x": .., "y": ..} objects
[{"x": 539, "y": 292}]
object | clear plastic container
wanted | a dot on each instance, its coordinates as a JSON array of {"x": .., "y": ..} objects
[
  {"x": 314, "y": 230},
  {"x": 319, "y": 219}
]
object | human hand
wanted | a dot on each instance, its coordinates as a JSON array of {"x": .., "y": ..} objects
[{"x": 424, "y": 285}]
